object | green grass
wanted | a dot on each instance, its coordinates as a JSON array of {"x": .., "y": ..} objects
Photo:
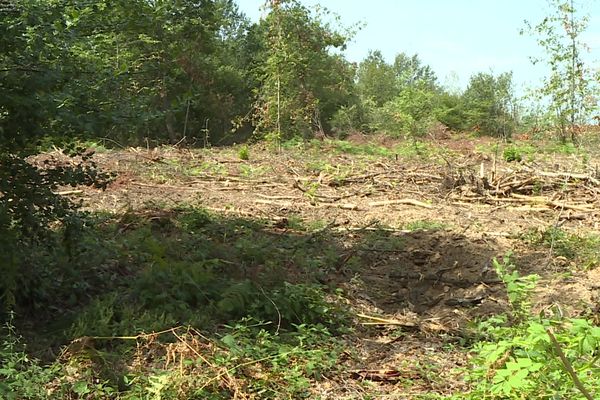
[{"x": 425, "y": 225}]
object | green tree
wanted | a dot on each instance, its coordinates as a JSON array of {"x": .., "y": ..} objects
[
  {"x": 376, "y": 79},
  {"x": 93, "y": 69},
  {"x": 302, "y": 82},
  {"x": 449, "y": 110},
  {"x": 488, "y": 105},
  {"x": 397, "y": 98},
  {"x": 411, "y": 72},
  {"x": 570, "y": 88}
]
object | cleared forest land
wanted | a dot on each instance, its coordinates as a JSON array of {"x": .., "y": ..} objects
[{"x": 356, "y": 269}]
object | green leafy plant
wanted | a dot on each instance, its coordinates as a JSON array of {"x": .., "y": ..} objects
[
  {"x": 532, "y": 357},
  {"x": 519, "y": 288},
  {"x": 20, "y": 376},
  {"x": 244, "y": 153},
  {"x": 523, "y": 361}
]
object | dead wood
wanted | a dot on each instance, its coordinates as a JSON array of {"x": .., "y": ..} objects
[{"x": 411, "y": 202}]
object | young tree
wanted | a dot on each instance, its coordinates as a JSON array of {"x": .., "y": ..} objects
[{"x": 570, "y": 88}]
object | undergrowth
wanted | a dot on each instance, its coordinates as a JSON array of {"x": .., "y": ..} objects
[
  {"x": 583, "y": 251},
  {"x": 239, "y": 305},
  {"x": 522, "y": 356}
]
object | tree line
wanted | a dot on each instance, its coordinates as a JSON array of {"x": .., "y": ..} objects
[{"x": 160, "y": 71}]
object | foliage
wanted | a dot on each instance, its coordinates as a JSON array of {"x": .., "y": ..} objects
[
  {"x": 29, "y": 207},
  {"x": 582, "y": 250},
  {"x": 488, "y": 105},
  {"x": 120, "y": 69},
  {"x": 518, "y": 152},
  {"x": 519, "y": 360},
  {"x": 20, "y": 376},
  {"x": 156, "y": 269},
  {"x": 376, "y": 79},
  {"x": 571, "y": 88},
  {"x": 398, "y": 99},
  {"x": 302, "y": 83},
  {"x": 450, "y": 111},
  {"x": 519, "y": 288},
  {"x": 408, "y": 114},
  {"x": 244, "y": 153}
]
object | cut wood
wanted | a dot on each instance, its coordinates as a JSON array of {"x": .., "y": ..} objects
[
  {"x": 558, "y": 204},
  {"x": 384, "y": 321},
  {"x": 68, "y": 192},
  {"x": 283, "y": 204},
  {"x": 568, "y": 175},
  {"x": 264, "y": 196},
  {"x": 411, "y": 202}
]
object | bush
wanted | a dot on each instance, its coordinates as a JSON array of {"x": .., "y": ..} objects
[{"x": 30, "y": 208}]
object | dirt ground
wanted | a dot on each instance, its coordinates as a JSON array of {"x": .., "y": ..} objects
[{"x": 435, "y": 273}]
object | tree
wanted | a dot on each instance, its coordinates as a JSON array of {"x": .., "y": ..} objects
[
  {"x": 301, "y": 83},
  {"x": 376, "y": 79},
  {"x": 93, "y": 69},
  {"x": 397, "y": 98},
  {"x": 409, "y": 114},
  {"x": 488, "y": 105},
  {"x": 410, "y": 71},
  {"x": 570, "y": 87}
]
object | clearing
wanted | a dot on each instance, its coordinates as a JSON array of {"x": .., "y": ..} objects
[{"x": 403, "y": 235}]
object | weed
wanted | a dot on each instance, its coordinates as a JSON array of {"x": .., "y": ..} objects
[
  {"x": 521, "y": 362},
  {"x": 20, "y": 376},
  {"x": 583, "y": 251},
  {"x": 250, "y": 171},
  {"x": 518, "y": 360},
  {"x": 511, "y": 154},
  {"x": 413, "y": 149},
  {"x": 567, "y": 148},
  {"x": 425, "y": 225},
  {"x": 518, "y": 288},
  {"x": 370, "y": 149},
  {"x": 244, "y": 152},
  {"x": 519, "y": 152}
]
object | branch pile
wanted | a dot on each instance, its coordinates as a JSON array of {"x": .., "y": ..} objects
[{"x": 527, "y": 187}]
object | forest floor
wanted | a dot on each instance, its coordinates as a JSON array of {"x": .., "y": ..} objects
[{"x": 416, "y": 227}]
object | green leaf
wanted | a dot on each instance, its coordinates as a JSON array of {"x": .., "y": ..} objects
[{"x": 81, "y": 388}]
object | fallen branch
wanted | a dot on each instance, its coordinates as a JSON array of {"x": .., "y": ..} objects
[
  {"x": 264, "y": 196},
  {"x": 411, "y": 202},
  {"x": 68, "y": 192},
  {"x": 383, "y": 321},
  {"x": 343, "y": 206},
  {"x": 285, "y": 204},
  {"x": 543, "y": 200},
  {"x": 568, "y": 175}
]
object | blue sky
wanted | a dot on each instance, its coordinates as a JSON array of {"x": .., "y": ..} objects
[{"x": 455, "y": 37}]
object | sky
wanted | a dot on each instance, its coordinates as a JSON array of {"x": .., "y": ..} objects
[{"x": 457, "y": 38}]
